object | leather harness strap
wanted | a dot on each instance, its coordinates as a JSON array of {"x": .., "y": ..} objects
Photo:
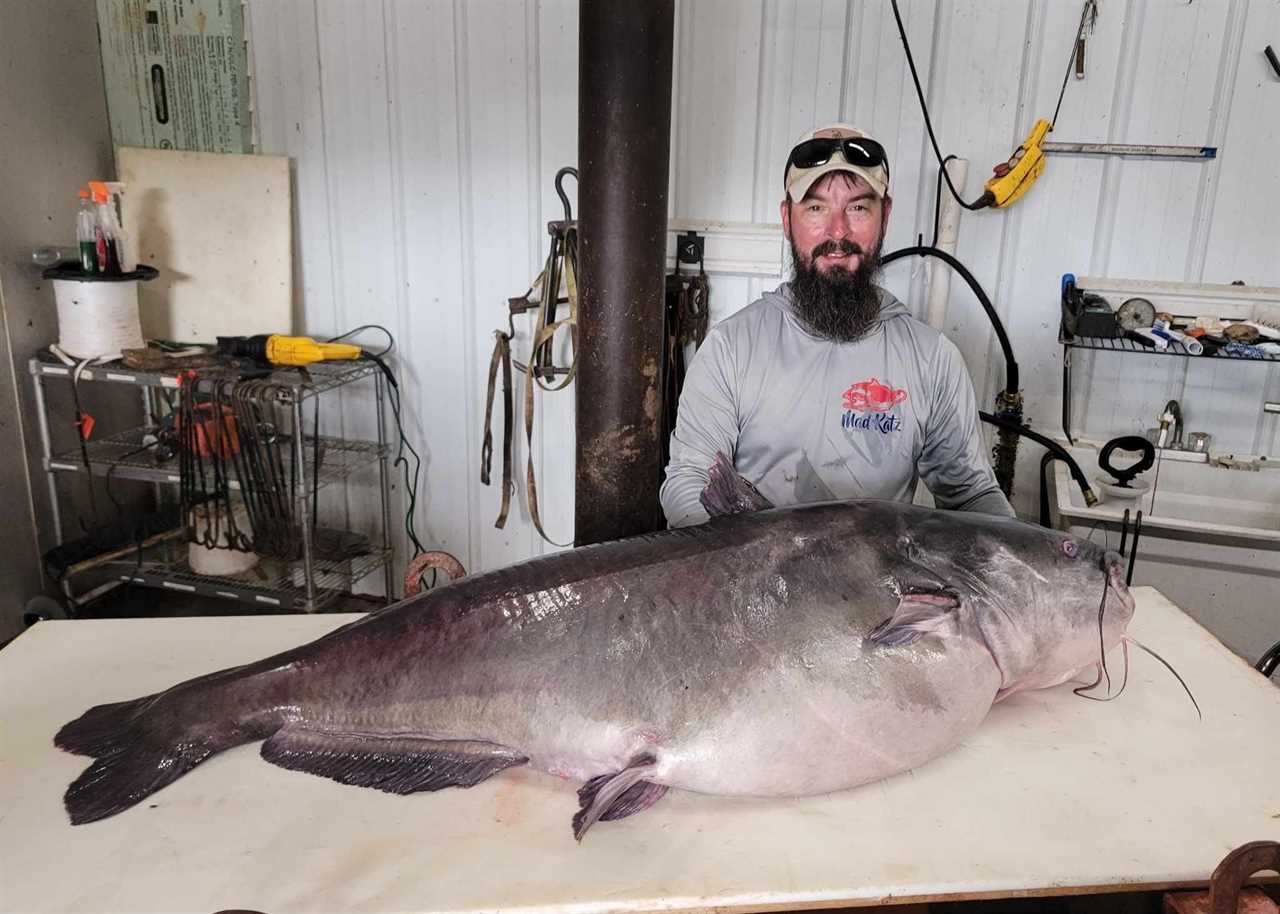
[
  {"x": 562, "y": 263},
  {"x": 501, "y": 356},
  {"x": 543, "y": 339}
]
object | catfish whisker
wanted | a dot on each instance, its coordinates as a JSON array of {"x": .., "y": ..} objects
[
  {"x": 1082, "y": 690},
  {"x": 1169, "y": 667}
]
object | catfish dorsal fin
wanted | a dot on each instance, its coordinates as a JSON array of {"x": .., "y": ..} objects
[{"x": 728, "y": 493}]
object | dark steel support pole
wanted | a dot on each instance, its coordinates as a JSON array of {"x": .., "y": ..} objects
[{"x": 624, "y": 130}]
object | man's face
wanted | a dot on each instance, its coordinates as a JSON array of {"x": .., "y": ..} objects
[
  {"x": 835, "y": 235},
  {"x": 838, "y": 224}
]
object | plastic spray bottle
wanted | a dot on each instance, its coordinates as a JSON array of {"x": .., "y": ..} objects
[
  {"x": 124, "y": 244},
  {"x": 110, "y": 235},
  {"x": 85, "y": 235},
  {"x": 104, "y": 244}
]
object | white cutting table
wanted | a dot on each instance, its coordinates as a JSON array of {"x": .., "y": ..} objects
[{"x": 1053, "y": 795}]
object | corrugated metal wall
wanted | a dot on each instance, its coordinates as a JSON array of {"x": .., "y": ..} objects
[{"x": 425, "y": 136}]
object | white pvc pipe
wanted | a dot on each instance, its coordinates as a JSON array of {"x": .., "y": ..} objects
[{"x": 948, "y": 232}]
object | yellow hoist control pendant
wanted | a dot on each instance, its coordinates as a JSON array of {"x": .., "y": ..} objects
[
  {"x": 286, "y": 350},
  {"x": 303, "y": 350},
  {"x": 1015, "y": 177}
]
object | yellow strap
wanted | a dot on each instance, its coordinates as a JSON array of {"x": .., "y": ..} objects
[
  {"x": 543, "y": 339},
  {"x": 545, "y": 336},
  {"x": 501, "y": 356}
]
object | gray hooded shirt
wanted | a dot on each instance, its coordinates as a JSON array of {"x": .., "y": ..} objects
[{"x": 807, "y": 419}]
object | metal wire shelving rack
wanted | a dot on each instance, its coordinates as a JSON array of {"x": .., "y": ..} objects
[
  {"x": 272, "y": 582},
  {"x": 119, "y": 455},
  {"x": 1186, "y": 302},
  {"x": 1122, "y": 344},
  {"x": 306, "y": 583}
]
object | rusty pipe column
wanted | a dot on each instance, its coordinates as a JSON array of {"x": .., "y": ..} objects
[{"x": 624, "y": 130}]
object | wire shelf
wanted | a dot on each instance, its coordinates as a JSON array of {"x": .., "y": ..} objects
[
  {"x": 1124, "y": 344},
  {"x": 125, "y": 457},
  {"x": 295, "y": 383},
  {"x": 273, "y": 582}
]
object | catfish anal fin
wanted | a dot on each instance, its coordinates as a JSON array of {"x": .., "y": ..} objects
[
  {"x": 917, "y": 615},
  {"x": 728, "y": 493},
  {"x": 392, "y": 764},
  {"x": 615, "y": 796}
]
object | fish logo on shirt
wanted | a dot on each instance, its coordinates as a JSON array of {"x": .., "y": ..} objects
[{"x": 871, "y": 396}]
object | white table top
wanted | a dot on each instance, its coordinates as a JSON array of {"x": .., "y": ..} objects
[{"x": 1053, "y": 794}]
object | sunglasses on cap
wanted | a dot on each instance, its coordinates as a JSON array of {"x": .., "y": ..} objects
[{"x": 858, "y": 151}]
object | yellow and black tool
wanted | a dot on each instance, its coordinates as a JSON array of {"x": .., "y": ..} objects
[
  {"x": 277, "y": 349},
  {"x": 1015, "y": 177}
]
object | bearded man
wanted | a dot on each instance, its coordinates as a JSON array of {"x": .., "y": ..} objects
[{"x": 827, "y": 388}]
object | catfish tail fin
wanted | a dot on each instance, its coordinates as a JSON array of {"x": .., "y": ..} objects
[{"x": 138, "y": 747}]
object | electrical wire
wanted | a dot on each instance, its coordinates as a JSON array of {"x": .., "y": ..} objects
[
  {"x": 393, "y": 396},
  {"x": 937, "y": 201},
  {"x": 986, "y": 199},
  {"x": 1088, "y": 16},
  {"x": 391, "y": 340},
  {"x": 410, "y": 479}
]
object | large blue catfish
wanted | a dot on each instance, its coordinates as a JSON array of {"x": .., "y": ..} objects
[{"x": 781, "y": 652}]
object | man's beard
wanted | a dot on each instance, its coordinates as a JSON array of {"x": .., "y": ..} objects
[{"x": 839, "y": 305}]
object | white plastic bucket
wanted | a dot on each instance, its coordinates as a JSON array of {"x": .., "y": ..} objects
[{"x": 224, "y": 561}]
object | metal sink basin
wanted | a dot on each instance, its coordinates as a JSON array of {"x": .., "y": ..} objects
[
  {"x": 1210, "y": 540},
  {"x": 1199, "y": 501}
]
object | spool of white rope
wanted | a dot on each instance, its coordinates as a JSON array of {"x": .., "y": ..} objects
[{"x": 97, "y": 315}]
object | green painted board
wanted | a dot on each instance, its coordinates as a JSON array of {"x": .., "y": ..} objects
[{"x": 176, "y": 74}]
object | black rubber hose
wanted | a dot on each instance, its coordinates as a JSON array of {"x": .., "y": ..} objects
[
  {"x": 1048, "y": 458},
  {"x": 1011, "y": 365},
  {"x": 1054, "y": 447},
  {"x": 1269, "y": 662}
]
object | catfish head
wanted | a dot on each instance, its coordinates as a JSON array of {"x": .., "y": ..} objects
[{"x": 1047, "y": 605}]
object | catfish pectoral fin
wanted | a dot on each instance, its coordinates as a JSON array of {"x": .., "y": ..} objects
[
  {"x": 616, "y": 796},
  {"x": 917, "y": 615},
  {"x": 397, "y": 764},
  {"x": 728, "y": 493}
]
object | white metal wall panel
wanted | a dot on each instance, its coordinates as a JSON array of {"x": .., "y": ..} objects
[
  {"x": 435, "y": 357},
  {"x": 425, "y": 136},
  {"x": 505, "y": 241}
]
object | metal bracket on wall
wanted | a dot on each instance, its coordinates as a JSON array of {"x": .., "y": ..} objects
[
  {"x": 689, "y": 248},
  {"x": 1271, "y": 57},
  {"x": 742, "y": 248}
]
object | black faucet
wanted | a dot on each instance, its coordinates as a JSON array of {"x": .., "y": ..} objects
[{"x": 1174, "y": 411}]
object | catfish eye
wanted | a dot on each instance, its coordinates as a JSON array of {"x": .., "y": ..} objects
[{"x": 1070, "y": 548}]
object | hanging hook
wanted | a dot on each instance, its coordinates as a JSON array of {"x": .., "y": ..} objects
[{"x": 564, "y": 199}]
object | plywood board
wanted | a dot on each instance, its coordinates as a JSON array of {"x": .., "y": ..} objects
[{"x": 218, "y": 228}]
